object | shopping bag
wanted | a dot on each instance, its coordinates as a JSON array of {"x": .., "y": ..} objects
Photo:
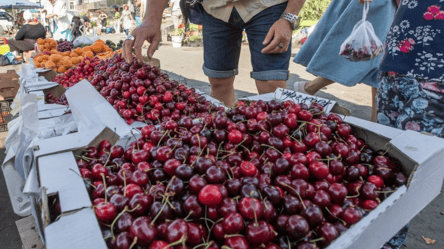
[{"x": 362, "y": 44}]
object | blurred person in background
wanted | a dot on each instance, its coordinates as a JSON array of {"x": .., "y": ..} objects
[
  {"x": 28, "y": 34},
  {"x": 117, "y": 20},
  {"x": 61, "y": 20},
  {"x": 44, "y": 21},
  {"x": 127, "y": 19},
  {"x": 176, "y": 13},
  {"x": 320, "y": 52},
  {"x": 103, "y": 20}
]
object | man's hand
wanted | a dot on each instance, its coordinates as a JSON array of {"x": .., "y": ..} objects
[
  {"x": 279, "y": 33},
  {"x": 145, "y": 32}
]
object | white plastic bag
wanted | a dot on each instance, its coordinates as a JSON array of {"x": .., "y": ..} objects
[
  {"x": 362, "y": 44},
  {"x": 85, "y": 40}
]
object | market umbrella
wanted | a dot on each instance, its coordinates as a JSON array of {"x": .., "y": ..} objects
[
  {"x": 111, "y": 7},
  {"x": 18, "y": 4}
]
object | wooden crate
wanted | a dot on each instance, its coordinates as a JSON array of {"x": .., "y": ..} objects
[{"x": 29, "y": 234}]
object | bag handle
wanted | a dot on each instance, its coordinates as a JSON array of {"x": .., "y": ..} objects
[{"x": 365, "y": 12}]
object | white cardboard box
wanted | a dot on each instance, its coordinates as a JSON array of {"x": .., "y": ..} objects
[
  {"x": 59, "y": 177},
  {"x": 421, "y": 157}
]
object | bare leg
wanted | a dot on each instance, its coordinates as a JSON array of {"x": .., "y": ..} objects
[
  {"x": 317, "y": 84},
  {"x": 373, "y": 117},
  {"x": 223, "y": 90},
  {"x": 269, "y": 86}
]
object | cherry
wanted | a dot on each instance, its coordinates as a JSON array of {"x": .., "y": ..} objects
[
  {"x": 311, "y": 139},
  {"x": 132, "y": 189},
  {"x": 119, "y": 201},
  {"x": 140, "y": 203},
  {"x": 258, "y": 233},
  {"x": 368, "y": 191},
  {"x": 235, "y": 136},
  {"x": 322, "y": 199},
  {"x": 299, "y": 171},
  {"x": 338, "y": 193},
  {"x": 196, "y": 183},
  {"x": 319, "y": 170},
  {"x": 227, "y": 206},
  {"x": 233, "y": 223},
  {"x": 143, "y": 231},
  {"x": 297, "y": 226},
  {"x": 292, "y": 205},
  {"x": 313, "y": 214},
  {"x": 177, "y": 230},
  {"x": 192, "y": 207},
  {"x": 376, "y": 180},
  {"x": 369, "y": 204},
  {"x": 210, "y": 195},
  {"x": 351, "y": 216},
  {"x": 247, "y": 169},
  {"x": 237, "y": 242},
  {"x": 328, "y": 232},
  {"x": 105, "y": 212},
  {"x": 250, "y": 208}
]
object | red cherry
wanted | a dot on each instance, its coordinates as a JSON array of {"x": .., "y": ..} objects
[
  {"x": 247, "y": 169},
  {"x": 210, "y": 195}
]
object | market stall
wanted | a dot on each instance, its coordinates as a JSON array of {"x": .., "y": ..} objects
[{"x": 109, "y": 155}]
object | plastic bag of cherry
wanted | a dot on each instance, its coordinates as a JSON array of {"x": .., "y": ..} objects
[
  {"x": 261, "y": 175},
  {"x": 362, "y": 44}
]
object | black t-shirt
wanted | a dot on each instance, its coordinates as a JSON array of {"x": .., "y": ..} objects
[{"x": 31, "y": 31}]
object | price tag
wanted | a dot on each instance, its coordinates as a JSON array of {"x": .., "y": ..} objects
[{"x": 285, "y": 94}]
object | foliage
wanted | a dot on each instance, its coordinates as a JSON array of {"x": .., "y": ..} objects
[
  {"x": 195, "y": 38},
  {"x": 93, "y": 24},
  {"x": 179, "y": 31},
  {"x": 313, "y": 9}
]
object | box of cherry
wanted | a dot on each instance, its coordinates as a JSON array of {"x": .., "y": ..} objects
[{"x": 263, "y": 175}]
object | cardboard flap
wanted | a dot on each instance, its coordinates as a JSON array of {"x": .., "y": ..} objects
[
  {"x": 74, "y": 231},
  {"x": 59, "y": 173},
  {"x": 74, "y": 141}
]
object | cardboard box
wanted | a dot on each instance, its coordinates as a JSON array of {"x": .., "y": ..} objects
[
  {"x": 74, "y": 224},
  {"x": 421, "y": 157}
]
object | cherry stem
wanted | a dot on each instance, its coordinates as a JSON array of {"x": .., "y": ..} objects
[
  {"x": 254, "y": 209},
  {"x": 134, "y": 243},
  {"x": 90, "y": 184},
  {"x": 316, "y": 240},
  {"x": 104, "y": 185},
  {"x": 289, "y": 243},
  {"x": 266, "y": 145},
  {"x": 188, "y": 216},
  {"x": 124, "y": 183},
  {"x": 181, "y": 241},
  {"x": 343, "y": 222},
  {"x": 160, "y": 211},
  {"x": 233, "y": 235},
  {"x": 300, "y": 198},
  {"x": 109, "y": 156},
  {"x": 158, "y": 144}
]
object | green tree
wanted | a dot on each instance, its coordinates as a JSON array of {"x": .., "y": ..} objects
[{"x": 313, "y": 9}]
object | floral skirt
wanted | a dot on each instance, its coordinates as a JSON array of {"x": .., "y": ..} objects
[{"x": 406, "y": 103}]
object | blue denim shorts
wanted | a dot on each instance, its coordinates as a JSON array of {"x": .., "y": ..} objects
[{"x": 222, "y": 45}]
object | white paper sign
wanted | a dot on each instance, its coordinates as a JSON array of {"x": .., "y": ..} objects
[{"x": 297, "y": 97}]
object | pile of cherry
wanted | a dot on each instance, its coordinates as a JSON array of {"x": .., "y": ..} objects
[
  {"x": 139, "y": 92},
  {"x": 83, "y": 70},
  {"x": 262, "y": 175}
]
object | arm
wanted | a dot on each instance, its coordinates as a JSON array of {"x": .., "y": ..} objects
[
  {"x": 21, "y": 34},
  {"x": 280, "y": 32},
  {"x": 149, "y": 30}
]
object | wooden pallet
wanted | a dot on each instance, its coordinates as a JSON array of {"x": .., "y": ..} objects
[{"x": 29, "y": 234}]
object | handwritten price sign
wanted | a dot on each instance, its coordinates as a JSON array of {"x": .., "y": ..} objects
[{"x": 285, "y": 94}]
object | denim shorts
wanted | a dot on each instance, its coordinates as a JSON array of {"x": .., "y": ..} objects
[{"x": 222, "y": 45}]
